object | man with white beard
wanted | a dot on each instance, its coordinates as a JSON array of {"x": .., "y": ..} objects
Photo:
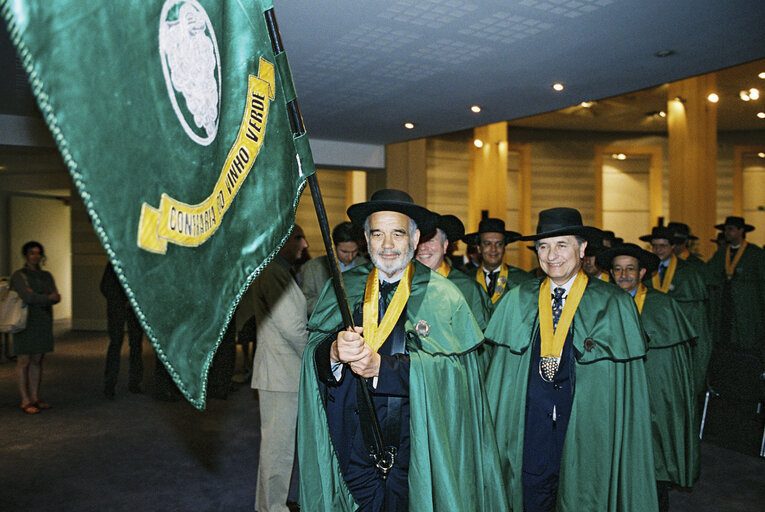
[{"x": 416, "y": 354}]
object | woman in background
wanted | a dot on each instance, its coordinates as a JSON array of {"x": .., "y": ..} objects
[{"x": 38, "y": 291}]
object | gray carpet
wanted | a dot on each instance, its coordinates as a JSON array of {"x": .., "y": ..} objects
[{"x": 139, "y": 454}]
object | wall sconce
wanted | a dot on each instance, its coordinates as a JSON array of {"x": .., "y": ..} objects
[{"x": 478, "y": 143}]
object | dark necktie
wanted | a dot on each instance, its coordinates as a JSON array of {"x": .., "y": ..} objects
[
  {"x": 662, "y": 271},
  {"x": 492, "y": 283},
  {"x": 557, "y": 306}
]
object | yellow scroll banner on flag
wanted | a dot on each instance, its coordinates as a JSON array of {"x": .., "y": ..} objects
[{"x": 191, "y": 225}]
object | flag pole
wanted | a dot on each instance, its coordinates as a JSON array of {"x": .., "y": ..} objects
[{"x": 383, "y": 457}]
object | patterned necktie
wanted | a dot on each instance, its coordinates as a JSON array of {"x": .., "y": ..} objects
[
  {"x": 557, "y": 306},
  {"x": 662, "y": 271},
  {"x": 492, "y": 283}
]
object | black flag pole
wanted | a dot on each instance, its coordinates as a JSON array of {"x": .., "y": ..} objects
[{"x": 383, "y": 457}]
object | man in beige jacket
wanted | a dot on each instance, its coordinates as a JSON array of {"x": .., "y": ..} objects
[{"x": 280, "y": 310}]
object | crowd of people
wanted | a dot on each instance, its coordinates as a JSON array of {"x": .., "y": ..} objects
[{"x": 462, "y": 382}]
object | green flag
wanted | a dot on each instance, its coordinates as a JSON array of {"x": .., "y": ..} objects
[{"x": 172, "y": 118}]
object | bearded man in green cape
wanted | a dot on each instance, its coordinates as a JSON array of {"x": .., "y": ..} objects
[
  {"x": 431, "y": 252},
  {"x": 567, "y": 386},
  {"x": 416, "y": 355},
  {"x": 685, "y": 284},
  {"x": 669, "y": 369},
  {"x": 736, "y": 275}
]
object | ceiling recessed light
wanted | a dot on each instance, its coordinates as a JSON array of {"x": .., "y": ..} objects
[
  {"x": 478, "y": 143},
  {"x": 744, "y": 95},
  {"x": 662, "y": 113},
  {"x": 475, "y": 108},
  {"x": 754, "y": 94},
  {"x": 713, "y": 98},
  {"x": 557, "y": 86},
  {"x": 619, "y": 156},
  {"x": 586, "y": 104},
  {"x": 761, "y": 154},
  {"x": 409, "y": 126},
  {"x": 761, "y": 115},
  {"x": 762, "y": 75}
]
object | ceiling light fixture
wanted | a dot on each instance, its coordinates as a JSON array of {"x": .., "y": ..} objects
[
  {"x": 558, "y": 86},
  {"x": 619, "y": 156},
  {"x": 754, "y": 94},
  {"x": 475, "y": 108},
  {"x": 761, "y": 115},
  {"x": 761, "y": 154},
  {"x": 762, "y": 75},
  {"x": 586, "y": 104},
  {"x": 409, "y": 126},
  {"x": 744, "y": 95},
  {"x": 664, "y": 53},
  {"x": 713, "y": 97},
  {"x": 478, "y": 143},
  {"x": 662, "y": 113}
]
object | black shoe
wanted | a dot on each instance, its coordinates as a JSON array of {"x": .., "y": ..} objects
[
  {"x": 109, "y": 393},
  {"x": 135, "y": 388}
]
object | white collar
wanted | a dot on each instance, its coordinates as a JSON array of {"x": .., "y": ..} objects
[{"x": 566, "y": 286}]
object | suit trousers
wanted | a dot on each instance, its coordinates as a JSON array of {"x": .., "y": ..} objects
[{"x": 278, "y": 421}]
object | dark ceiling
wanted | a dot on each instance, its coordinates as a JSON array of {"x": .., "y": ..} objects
[{"x": 362, "y": 68}]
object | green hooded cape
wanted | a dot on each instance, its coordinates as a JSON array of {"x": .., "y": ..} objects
[
  {"x": 515, "y": 276},
  {"x": 474, "y": 295},
  {"x": 453, "y": 460},
  {"x": 690, "y": 292},
  {"x": 607, "y": 462},
  {"x": 748, "y": 294},
  {"x": 668, "y": 367}
]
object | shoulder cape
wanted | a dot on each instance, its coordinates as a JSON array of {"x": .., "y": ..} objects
[
  {"x": 607, "y": 462},
  {"x": 474, "y": 295},
  {"x": 453, "y": 459},
  {"x": 669, "y": 372}
]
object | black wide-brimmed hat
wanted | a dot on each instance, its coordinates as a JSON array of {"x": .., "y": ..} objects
[
  {"x": 648, "y": 260},
  {"x": 560, "y": 222},
  {"x": 661, "y": 232},
  {"x": 392, "y": 200},
  {"x": 452, "y": 226},
  {"x": 737, "y": 222},
  {"x": 682, "y": 231},
  {"x": 491, "y": 225}
]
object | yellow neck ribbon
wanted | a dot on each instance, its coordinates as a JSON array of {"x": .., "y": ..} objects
[
  {"x": 605, "y": 277},
  {"x": 668, "y": 275},
  {"x": 553, "y": 340},
  {"x": 730, "y": 266},
  {"x": 640, "y": 297},
  {"x": 499, "y": 288},
  {"x": 376, "y": 333},
  {"x": 444, "y": 269}
]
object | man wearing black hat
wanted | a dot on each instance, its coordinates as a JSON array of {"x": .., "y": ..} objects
[
  {"x": 668, "y": 368},
  {"x": 431, "y": 252},
  {"x": 737, "y": 291},
  {"x": 684, "y": 283},
  {"x": 566, "y": 384},
  {"x": 589, "y": 262},
  {"x": 494, "y": 275},
  {"x": 683, "y": 240},
  {"x": 416, "y": 356}
]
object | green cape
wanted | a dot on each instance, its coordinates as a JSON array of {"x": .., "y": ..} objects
[
  {"x": 748, "y": 291},
  {"x": 474, "y": 295},
  {"x": 689, "y": 290},
  {"x": 607, "y": 464},
  {"x": 668, "y": 368},
  {"x": 453, "y": 459}
]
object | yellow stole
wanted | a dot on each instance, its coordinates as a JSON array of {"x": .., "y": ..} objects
[
  {"x": 656, "y": 280},
  {"x": 553, "y": 340},
  {"x": 376, "y": 333},
  {"x": 730, "y": 266},
  {"x": 444, "y": 269},
  {"x": 605, "y": 277},
  {"x": 501, "y": 285},
  {"x": 640, "y": 297}
]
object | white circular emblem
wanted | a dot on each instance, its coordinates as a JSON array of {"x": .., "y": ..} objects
[{"x": 191, "y": 65}]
